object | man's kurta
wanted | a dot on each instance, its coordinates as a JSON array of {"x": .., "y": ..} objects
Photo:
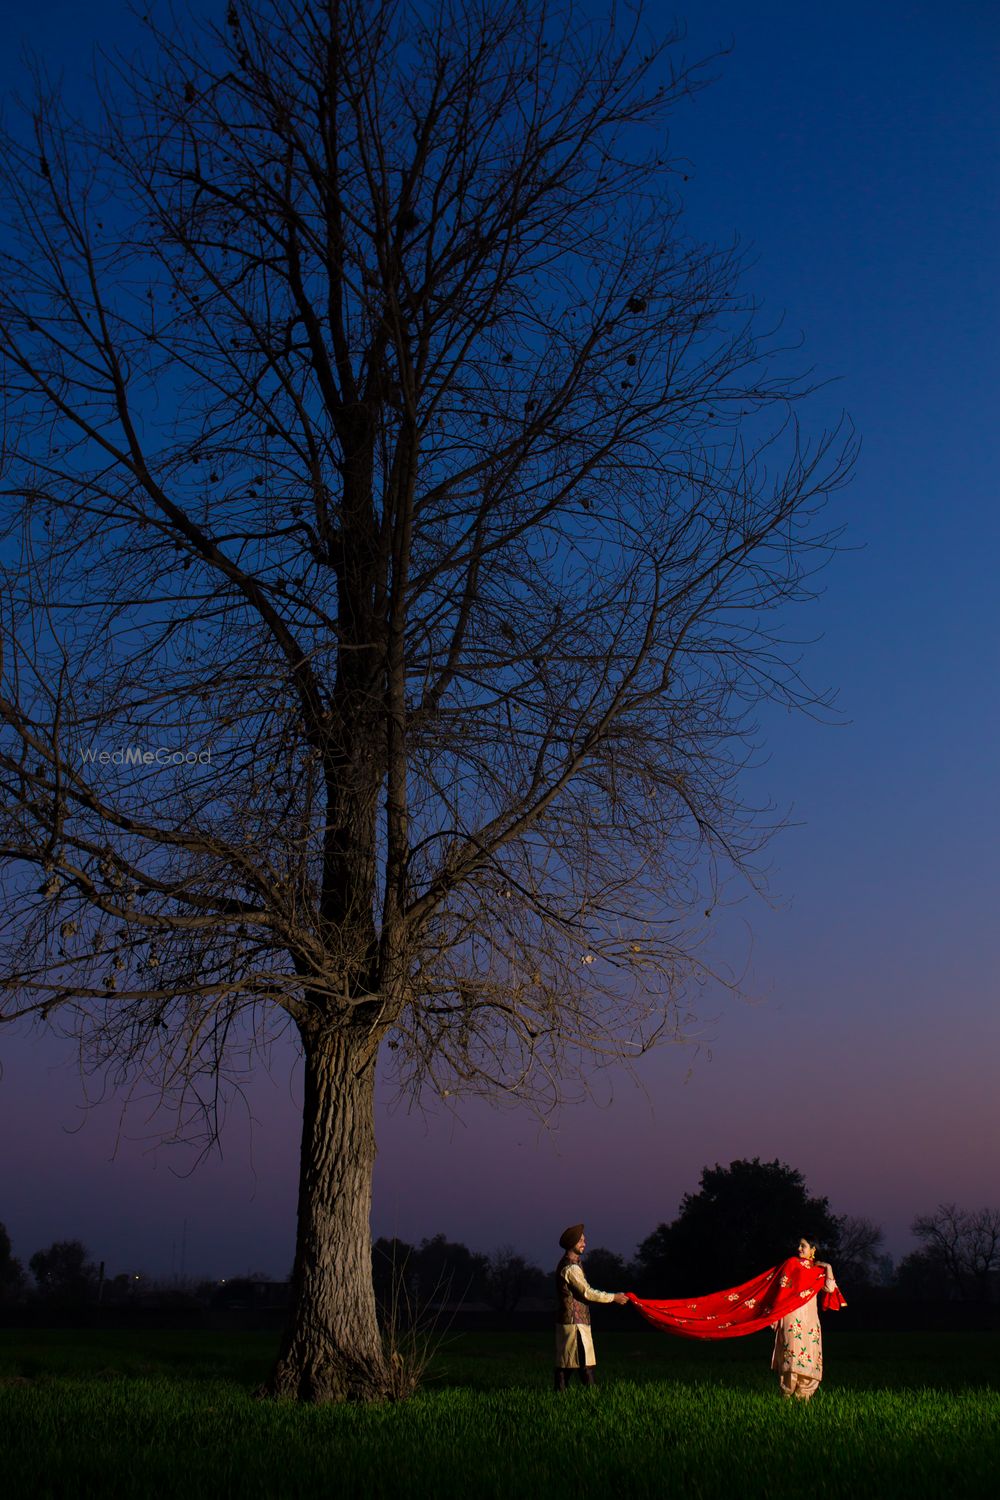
[{"x": 573, "y": 1335}]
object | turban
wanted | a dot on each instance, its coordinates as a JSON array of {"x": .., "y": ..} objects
[{"x": 569, "y": 1237}]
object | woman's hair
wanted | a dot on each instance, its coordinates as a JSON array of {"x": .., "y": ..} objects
[{"x": 814, "y": 1244}]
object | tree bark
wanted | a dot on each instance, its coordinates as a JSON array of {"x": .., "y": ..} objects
[{"x": 332, "y": 1349}]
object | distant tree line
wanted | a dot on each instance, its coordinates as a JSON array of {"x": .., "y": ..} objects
[
  {"x": 743, "y": 1218},
  {"x": 437, "y": 1270}
]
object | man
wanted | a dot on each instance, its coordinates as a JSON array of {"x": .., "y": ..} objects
[{"x": 574, "y": 1341}]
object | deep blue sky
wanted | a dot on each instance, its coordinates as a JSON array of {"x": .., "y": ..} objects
[{"x": 855, "y": 149}]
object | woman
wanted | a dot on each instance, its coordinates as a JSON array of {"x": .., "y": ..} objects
[
  {"x": 798, "y": 1341},
  {"x": 782, "y": 1298}
]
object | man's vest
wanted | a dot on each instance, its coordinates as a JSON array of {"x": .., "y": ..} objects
[{"x": 568, "y": 1308}]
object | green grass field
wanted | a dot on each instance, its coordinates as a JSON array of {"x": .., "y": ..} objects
[{"x": 171, "y": 1414}]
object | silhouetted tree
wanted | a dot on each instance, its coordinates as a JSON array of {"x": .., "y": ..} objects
[
  {"x": 411, "y": 1278},
  {"x": 390, "y": 1275},
  {"x": 744, "y": 1218},
  {"x": 923, "y": 1276},
  {"x": 11, "y": 1270},
  {"x": 859, "y": 1261},
  {"x": 64, "y": 1274},
  {"x": 372, "y": 426},
  {"x": 607, "y": 1271},
  {"x": 966, "y": 1244},
  {"x": 510, "y": 1278},
  {"x": 446, "y": 1271},
  {"x": 133, "y": 1286}
]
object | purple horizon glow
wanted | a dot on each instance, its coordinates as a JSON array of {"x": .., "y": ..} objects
[{"x": 858, "y": 153}]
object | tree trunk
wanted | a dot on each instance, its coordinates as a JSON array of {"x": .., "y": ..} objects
[{"x": 332, "y": 1349}]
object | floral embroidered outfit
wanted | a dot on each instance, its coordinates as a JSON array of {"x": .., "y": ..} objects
[
  {"x": 783, "y": 1298},
  {"x": 798, "y": 1343},
  {"x": 782, "y": 1291}
]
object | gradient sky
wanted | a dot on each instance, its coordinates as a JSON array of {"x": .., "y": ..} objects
[{"x": 854, "y": 148}]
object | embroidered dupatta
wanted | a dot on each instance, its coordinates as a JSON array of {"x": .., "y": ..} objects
[{"x": 742, "y": 1309}]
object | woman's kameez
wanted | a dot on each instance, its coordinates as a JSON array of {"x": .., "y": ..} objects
[{"x": 798, "y": 1344}]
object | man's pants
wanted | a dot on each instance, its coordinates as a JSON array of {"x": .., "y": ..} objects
[{"x": 586, "y": 1371}]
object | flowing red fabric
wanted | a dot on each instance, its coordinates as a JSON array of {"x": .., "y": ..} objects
[{"x": 741, "y": 1309}]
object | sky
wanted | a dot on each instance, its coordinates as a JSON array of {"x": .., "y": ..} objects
[{"x": 854, "y": 151}]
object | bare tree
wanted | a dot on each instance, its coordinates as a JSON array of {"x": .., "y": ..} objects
[
  {"x": 396, "y": 505},
  {"x": 966, "y": 1244},
  {"x": 858, "y": 1250}
]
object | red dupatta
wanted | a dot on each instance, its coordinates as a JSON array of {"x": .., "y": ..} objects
[{"x": 742, "y": 1309}]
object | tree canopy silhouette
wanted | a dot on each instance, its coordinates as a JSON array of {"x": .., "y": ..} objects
[
  {"x": 11, "y": 1270},
  {"x": 410, "y": 1278},
  {"x": 400, "y": 512},
  {"x": 744, "y": 1218},
  {"x": 64, "y": 1274}
]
